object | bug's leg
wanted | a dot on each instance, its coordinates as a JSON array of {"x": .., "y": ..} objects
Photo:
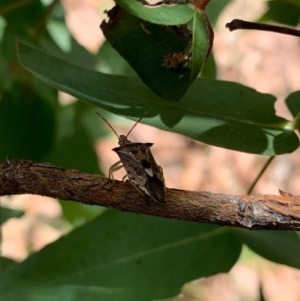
[
  {"x": 142, "y": 193},
  {"x": 116, "y": 166}
]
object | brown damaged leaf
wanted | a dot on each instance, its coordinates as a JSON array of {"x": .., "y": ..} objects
[{"x": 167, "y": 58}]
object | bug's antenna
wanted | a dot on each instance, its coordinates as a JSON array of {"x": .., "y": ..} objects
[
  {"x": 136, "y": 123},
  {"x": 109, "y": 125}
]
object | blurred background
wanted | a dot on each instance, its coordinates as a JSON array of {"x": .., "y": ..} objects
[{"x": 267, "y": 62}]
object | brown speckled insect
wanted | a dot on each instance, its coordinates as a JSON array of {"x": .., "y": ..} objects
[{"x": 142, "y": 170}]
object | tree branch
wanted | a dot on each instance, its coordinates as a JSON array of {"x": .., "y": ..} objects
[
  {"x": 246, "y": 211},
  {"x": 241, "y": 24}
]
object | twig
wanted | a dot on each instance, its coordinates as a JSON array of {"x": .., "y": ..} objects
[
  {"x": 241, "y": 24},
  {"x": 261, "y": 172},
  {"x": 246, "y": 211}
]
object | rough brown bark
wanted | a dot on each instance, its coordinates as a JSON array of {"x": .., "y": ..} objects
[{"x": 246, "y": 211}]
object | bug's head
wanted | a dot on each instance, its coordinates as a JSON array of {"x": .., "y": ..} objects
[{"x": 123, "y": 139}]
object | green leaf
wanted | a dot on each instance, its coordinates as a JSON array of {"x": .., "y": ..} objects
[
  {"x": 209, "y": 69},
  {"x": 147, "y": 257},
  {"x": 27, "y": 124},
  {"x": 111, "y": 62},
  {"x": 6, "y": 263},
  {"x": 71, "y": 293},
  {"x": 278, "y": 246},
  {"x": 78, "y": 214},
  {"x": 283, "y": 11},
  {"x": 147, "y": 47},
  {"x": 163, "y": 15},
  {"x": 220, "y": 113},
  {"x": 29, "y": 12},
  {"x": 214, "y": 8},
  {"x": 168, "y": 59},
  {"x": 293, "y": 103},
  {"x": 74, "y": 135},
  {"x": 7, "y": 213},
  {"x": 202, "y": 40}
]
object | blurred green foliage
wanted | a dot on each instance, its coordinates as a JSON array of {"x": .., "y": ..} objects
[{"x": 120, "y": 256}]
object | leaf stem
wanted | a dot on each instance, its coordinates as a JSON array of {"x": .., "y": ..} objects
[{"x": 250, "y": 189}]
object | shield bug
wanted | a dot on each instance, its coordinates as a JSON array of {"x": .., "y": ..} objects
[{"x": 142, "y": 170}]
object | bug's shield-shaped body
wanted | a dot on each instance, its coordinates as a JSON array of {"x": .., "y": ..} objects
[{"x": 142, "y": 170}]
